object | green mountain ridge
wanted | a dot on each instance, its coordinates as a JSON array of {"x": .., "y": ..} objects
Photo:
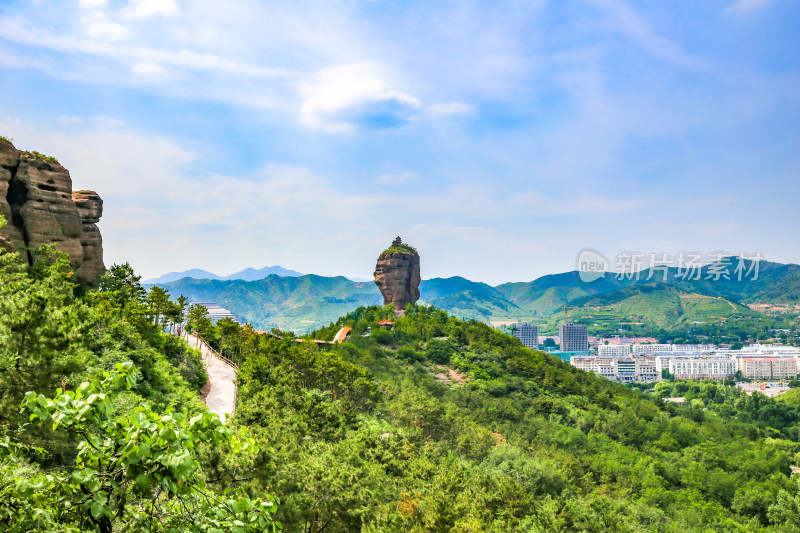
[
  {"x": 287, "y": 303},
  {"x": 662, "y": 305},
  {"x": 306, "y": 302}
]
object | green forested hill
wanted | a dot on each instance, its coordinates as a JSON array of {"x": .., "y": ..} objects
[
  {"x": 436, "y": 425},
  {"x": 771, "y": 282},
  {"x": 307, "y": 302},
  {"x": 547, "y": 294},
  {"x": 448, "y": 425},
  {"x": 468, "y": 299},
  {"x": 662, "y": 305},
  {"x": 288, "y": 303}
]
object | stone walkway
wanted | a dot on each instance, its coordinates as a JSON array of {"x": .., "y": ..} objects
[{"x": 221, "y": 397}]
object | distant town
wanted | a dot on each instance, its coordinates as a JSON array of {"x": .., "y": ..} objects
[{"x": 643, "y": 359}]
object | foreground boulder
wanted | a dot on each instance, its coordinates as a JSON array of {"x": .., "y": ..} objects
[
  {"x": 39, "y": 206},
  {"x": 397, "y": 274}
]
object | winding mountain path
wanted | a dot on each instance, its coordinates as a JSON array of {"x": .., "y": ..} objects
[{"x": 221, "y": 397}]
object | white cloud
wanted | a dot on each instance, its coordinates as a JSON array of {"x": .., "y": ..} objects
[
  {"x": 18, "y": 30},
  {"x": 148, "y": 69},
  {"x": 343, "y": 98},
  {"x": 98, "y": 26},
  {"x": 451, "y": 108},
  {"x": 150, "y": 8},
  {"x": 63, "y": 119},
  {"x": 93, "y": 4},
  {"x": 402, "y": 177},
  {"x": 743, "y": 7},
  {"x": 630, "y": 23},
  {"x": 162, "y": 214},
  {"x": 108, "y": 122}
]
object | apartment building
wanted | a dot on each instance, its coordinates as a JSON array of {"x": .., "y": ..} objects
[
  {"x": 691, "y": 366},
  {"x": 619, "y": 368},
  {"x": 574, "y": 337},
  {"x": 651, "y": 349},
  {"x": 527, "y": 334},
  {"x": 608, "y": 350},
  {"x": 760, "y": 367}
]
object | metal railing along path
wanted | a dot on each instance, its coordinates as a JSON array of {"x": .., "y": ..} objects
[{"x": 228, "y": 362}]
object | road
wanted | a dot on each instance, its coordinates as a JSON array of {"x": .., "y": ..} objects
[{"x": 221, "y": 397}]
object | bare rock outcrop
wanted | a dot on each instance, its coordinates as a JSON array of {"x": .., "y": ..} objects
[
  {"x": 37, "y": 201},
  {"x": 397, "y": 274},
  {"x": 90, "y": 209}
]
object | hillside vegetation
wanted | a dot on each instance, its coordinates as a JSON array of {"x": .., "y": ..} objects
[
  {"x": 101, "y": 428},
  {"x": 444, "y": 425},
  {"x": 437, "y": 424}
]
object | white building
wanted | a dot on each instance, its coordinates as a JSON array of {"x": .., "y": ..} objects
[
  {"x": 216, "y": 312},
  {"x": 651, "y": 349},
  {"x": 672, "y": 348},
  {"x": 607, "y": 350},
  {"x": 765, "y": 367},
  {"x": 619, "y": 368},
  {"x": 693, "y": 348},
  {"x": 695, "y": 366},
  {"x": 527, "y": 334}
]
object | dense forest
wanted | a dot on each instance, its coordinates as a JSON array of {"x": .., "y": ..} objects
[
  {"x": 435, "y": 424},
  {"x": 101, "y": 428}
]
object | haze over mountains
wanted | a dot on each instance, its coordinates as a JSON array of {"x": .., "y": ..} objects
[
  {"x": 304, "y": 302},
  {"x": 248, "y": 274}
]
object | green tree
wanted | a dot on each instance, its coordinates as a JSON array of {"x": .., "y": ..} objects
[
  {"x": 41, "y": 323},
  {"x": 229, "y": 336},
  {"x": 122, "y": 285},
  {"x": 197, "y": 320},
  {"x": 137, "y": 471},
  {"x": 786, "y": 509},
  {"x": 158, "y": 300}
]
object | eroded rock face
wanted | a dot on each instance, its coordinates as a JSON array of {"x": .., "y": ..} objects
[
  {"x": 90, "y": 209},
  {"x": 37, "y": 201},
  {"x": 397, "y": 275}
]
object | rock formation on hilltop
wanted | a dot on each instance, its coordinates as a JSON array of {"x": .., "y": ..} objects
[
  {"x": 37, "y": 201},
  {"x": 397, "y": 274},
  {"x": 90, "y": 209}
]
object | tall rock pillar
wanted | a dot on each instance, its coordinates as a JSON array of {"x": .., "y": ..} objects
[{"x": 397, "y": 274}]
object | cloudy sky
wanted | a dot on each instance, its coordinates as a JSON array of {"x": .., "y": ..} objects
[{"x": 499, "y": 138}]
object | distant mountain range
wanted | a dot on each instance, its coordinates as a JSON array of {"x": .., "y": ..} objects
[
  {"x": 306, "y": 302},
  {"x": 248, "y": 274}
]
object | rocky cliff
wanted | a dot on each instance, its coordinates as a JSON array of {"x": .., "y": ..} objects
[
  {"x": 37, "y": 201},
  {"x": 397, "y": 274}
]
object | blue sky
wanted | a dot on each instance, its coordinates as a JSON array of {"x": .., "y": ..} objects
[{"x": 499, "y": 138}]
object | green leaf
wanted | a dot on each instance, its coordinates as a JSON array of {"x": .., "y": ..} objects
[
  {"x": 143, "y": 482},
  {"x": 144, "y": 450},
  {"x": 99, "y": 510}
]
